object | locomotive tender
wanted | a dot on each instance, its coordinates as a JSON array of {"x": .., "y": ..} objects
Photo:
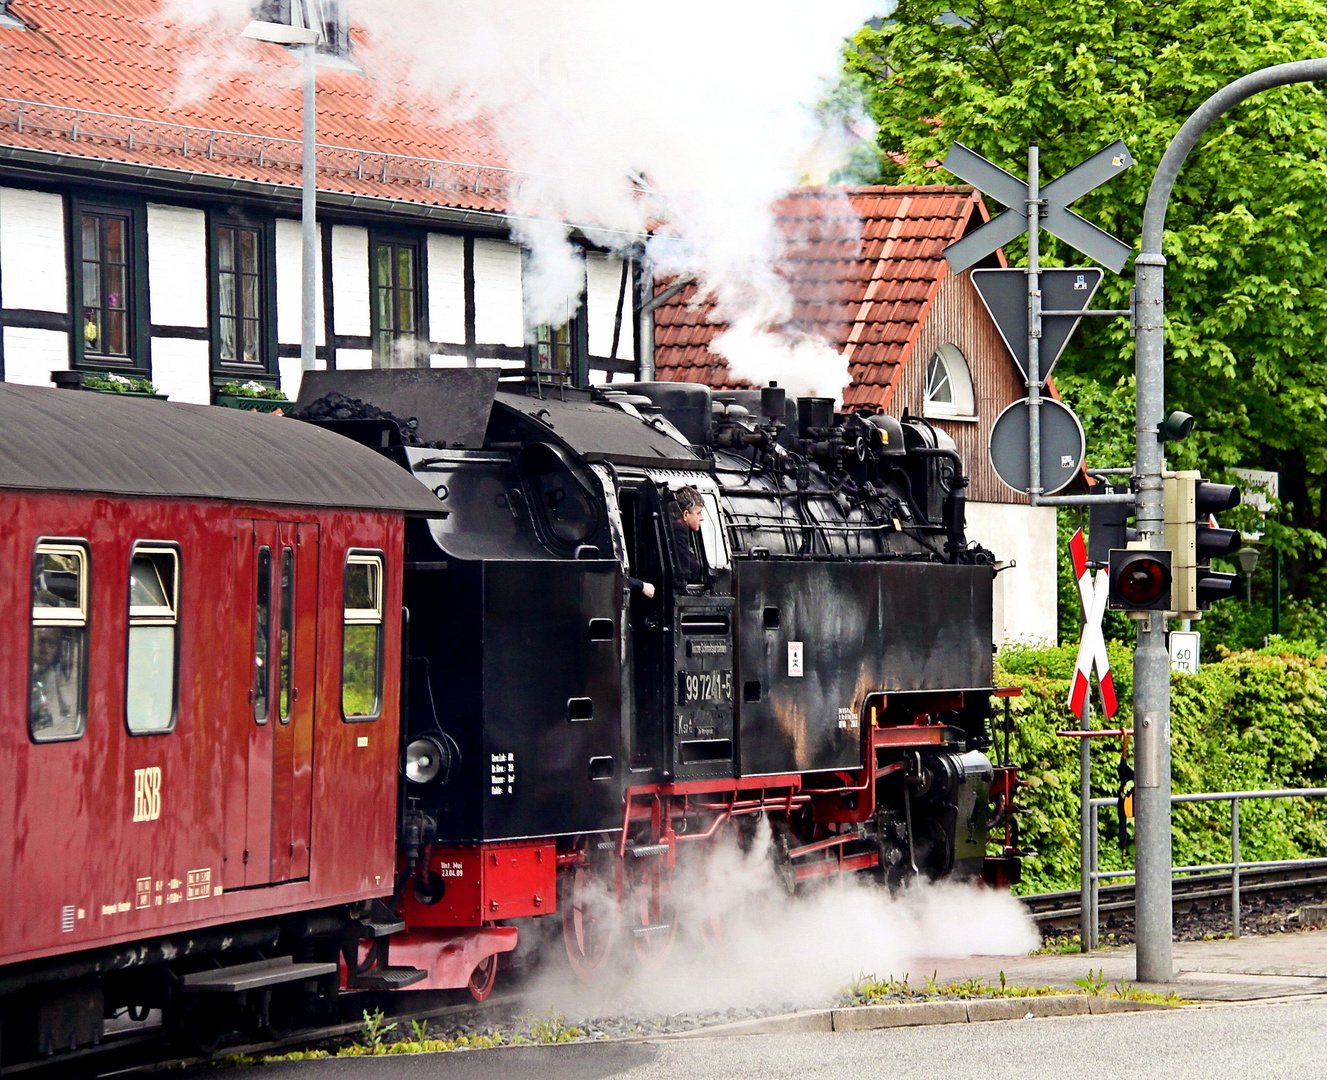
[{"x": 287, "y": 713}]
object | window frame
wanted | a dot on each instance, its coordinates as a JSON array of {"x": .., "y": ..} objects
[
  {"x": 82, "y": 618},
  {"x": 267, "y": 369},
  {"x": 418, "y": 242},
  {"x": 138, "y": 361},
  {"x": 576, "y": 329},
  {"x": 375, "y": 616},
  {"x": 155, "y": 617},
  {"x": 958, "y": 373}
]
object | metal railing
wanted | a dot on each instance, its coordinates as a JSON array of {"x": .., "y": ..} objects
[
  {"x": 1236, "y": 865},
  {"x": 136, "y": 133}
]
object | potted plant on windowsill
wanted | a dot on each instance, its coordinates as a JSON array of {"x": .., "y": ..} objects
[
  {"x": 110, "y": 383},
  {"x": 252, "y": 396}
]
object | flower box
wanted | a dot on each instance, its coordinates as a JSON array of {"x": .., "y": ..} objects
[{"x": 252, "y": 404}]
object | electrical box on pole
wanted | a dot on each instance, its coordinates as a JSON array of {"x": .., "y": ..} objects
[{"x": 1195, "y": 539}]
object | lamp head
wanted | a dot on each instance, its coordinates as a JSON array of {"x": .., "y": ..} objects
[
  {"x": 280, "y": 33},
  {"x": 1174, "y": 427}
]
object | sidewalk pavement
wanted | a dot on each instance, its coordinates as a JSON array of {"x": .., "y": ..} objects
[{"x": 1249, "y": 968}]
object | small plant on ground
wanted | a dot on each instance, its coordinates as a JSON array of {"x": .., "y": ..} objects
[
  {"x": 1094, "y": 983},
  {"x": 375, "y": 1028},
  {"x": 554, "y": 1029}
]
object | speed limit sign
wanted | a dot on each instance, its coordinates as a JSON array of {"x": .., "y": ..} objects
[{"x": 1184, "y": 650}]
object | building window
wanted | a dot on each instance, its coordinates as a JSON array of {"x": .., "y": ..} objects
[
  {"x": 105, "y": 245},
  {"x": 57, "y": 680},
  {"x": 239, "y": 295},
  {"x": 361, "y": 650},
  {"x": 948, "y": 391},
  {"x": 396, "y": 302},
  {"x": 154, "y": 604},
  {"x": 558, "y": 341}
]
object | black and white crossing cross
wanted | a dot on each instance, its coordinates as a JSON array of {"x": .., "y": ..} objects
[{"x": 1056, "y": 217}]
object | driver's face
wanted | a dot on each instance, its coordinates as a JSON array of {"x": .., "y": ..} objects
[{"x": 693, "y": 517}]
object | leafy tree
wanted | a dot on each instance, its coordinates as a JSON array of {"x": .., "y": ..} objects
[{"x": 1246, "y": 280}]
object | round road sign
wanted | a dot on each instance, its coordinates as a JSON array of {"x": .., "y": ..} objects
[{"x": 1062, "y": 446}]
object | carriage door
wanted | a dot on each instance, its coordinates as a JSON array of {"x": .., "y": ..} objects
[{"x": 280, "y": 640}]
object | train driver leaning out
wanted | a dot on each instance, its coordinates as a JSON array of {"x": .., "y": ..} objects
[
  {"x": 691, "y": 512},
  {"x": 56, "y": 686}
]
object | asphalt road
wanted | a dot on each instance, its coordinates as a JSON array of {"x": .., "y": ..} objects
[{"x": 1265, "y": 1041}]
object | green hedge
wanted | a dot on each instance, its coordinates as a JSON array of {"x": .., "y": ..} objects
[{"x": 1250, "y": 720}]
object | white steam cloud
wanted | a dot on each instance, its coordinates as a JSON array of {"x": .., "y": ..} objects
[
  {"x": 709, "y": 102},
  {"x": 773, "y": 949}
]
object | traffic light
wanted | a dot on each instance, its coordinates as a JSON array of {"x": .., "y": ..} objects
[
  {"x": 1191, "y": 533},
  {"x": 1108, "y": 525},
  {"x": 1140, "y": 580}
]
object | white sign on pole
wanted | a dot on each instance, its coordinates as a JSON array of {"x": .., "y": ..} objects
[{"x": 1184, "y": 650}]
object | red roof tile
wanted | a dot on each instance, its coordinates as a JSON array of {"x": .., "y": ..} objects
[
  {"x": 169, "y": 108},
  {"x": 863, "y": 264}
]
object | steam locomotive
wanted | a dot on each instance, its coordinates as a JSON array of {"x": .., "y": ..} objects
[
  {"x": 361, "y": 701},
  {"x": 818, "y": 654}
]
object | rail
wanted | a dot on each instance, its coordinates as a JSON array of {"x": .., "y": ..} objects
[{"x": 1236, "y": 866}]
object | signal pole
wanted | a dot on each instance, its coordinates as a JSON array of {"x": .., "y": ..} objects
[{"x": 1155, "y": 955}]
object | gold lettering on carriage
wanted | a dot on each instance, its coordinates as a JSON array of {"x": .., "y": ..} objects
[{"x": 147, "y": 794}]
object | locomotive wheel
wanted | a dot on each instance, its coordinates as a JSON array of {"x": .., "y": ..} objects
[
  {"x": 589, "y": 919},
  {"x": 483, "y": 978}
]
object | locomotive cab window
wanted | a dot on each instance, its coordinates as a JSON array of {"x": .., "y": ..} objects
[
  {"x": 361, "y": 650},
  {"x": 57, "y": 682},
  {"x": 711, "y": 534},
  {"x": 154, "y": 573}
]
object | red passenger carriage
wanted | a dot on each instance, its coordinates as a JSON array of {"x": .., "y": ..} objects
[{"x": 200, "y": 699}]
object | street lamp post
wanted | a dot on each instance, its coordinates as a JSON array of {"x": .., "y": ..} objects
[
  {"x": 1248, "y": 559},
  {"x": 307, "y": 39}
]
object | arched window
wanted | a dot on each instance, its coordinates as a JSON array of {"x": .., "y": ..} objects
[{"x": 948, "y": 385}]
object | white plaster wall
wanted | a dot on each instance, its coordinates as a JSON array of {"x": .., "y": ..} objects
[
  {"x": 33, "y": 251},
  {"x": 499, "y": 304},
  {"x": 447, "y": 360},
  {"x": 182, "y": 369},
  {"x": 31, "y": 355},
  {"x": 176, "y": 266},
  {"x": 289, "y": 275},
  {"x": 603, "y": 280},
  {"x": 1025, "y": 595},
  {"x": 446, "y": 270},
  {"x": 353, "y": 359},
  {"x": 350, "y": 281}
]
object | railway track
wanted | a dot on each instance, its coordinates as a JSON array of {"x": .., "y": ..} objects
[{"x": 1061, "y": 910}]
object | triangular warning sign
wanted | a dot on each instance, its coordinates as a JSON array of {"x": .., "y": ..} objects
[{"x": 1005, "y": 294}]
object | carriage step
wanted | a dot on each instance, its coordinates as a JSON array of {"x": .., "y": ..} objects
[
  {"x": 255, "y": 976},
  {"x": 651, "y": 931},
  {"x": 380, "y": 921},
  {"x": 392, "y": 978},
  {"x": 641, "y": 850},
  {"x": 606, "y": 845}
]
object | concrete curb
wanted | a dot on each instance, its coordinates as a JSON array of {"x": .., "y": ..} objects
[{"x": 874, "y": 1017}]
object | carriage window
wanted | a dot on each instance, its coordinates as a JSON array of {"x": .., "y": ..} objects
[
  {"x": 153, "y": 639},
  {"x": 361, "y": 653},
  {"x": 262, "y": 637},
  {"x": 287, "y": 625},
  {"x": 57, "y": 684}
]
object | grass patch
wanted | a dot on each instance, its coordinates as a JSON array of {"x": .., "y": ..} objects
[{"x": 869, "y": 990}]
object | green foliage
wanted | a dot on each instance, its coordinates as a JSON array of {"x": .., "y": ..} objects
[
  {"x": 118, "y": 384},
  {"x": 375, "y": 1028},
  {"x": 1249, "y": 720},
  {"x": 252, "y": 388},
  {"x": 553, "y": 1028},
  {"x": 1246, "y": 308},
  {"x": 1094, "y": 983},
  {"x": 868, "y": 990}
]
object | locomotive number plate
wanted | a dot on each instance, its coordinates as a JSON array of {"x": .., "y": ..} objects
[{"x": 710, "y": 687}]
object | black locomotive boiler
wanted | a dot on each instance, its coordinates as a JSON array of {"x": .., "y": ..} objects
[{"x": 595, "y": 691}]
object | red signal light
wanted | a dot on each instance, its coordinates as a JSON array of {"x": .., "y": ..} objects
[
  {"x": 1140, "y": 580},
  {"x": 1143, "y": 582}
]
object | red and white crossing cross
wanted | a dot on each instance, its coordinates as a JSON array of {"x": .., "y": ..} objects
[{"x": 1092, "y": 647}]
